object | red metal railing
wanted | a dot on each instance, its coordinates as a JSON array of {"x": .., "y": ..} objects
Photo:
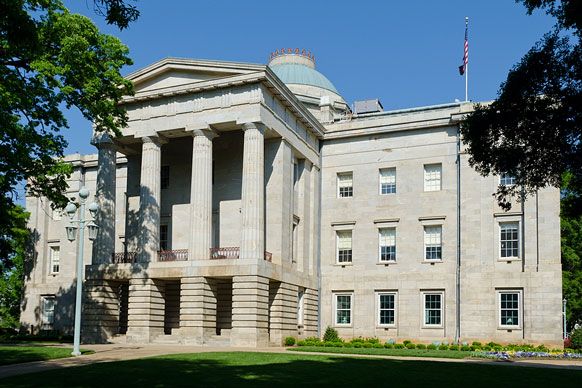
[
  {"x": 175, "y": 255},
  {"x": 123, "y": 257},
  {"x": 224, "y": 253}
]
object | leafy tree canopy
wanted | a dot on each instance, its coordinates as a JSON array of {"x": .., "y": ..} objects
[
  {"x": 50, "y": 59},
  {"x": 533, "y": 130}
]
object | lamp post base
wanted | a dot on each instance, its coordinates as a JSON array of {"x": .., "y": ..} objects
[{"x": 77, "y": 353}]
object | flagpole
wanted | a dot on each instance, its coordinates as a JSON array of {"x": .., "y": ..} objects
[{"x": 467, "y": 66}]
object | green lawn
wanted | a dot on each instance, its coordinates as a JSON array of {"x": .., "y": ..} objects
[
  {"x": 385, "y": 352},
  {"x": 237, "y": 369},
  {"x": 18, "y": 354}
]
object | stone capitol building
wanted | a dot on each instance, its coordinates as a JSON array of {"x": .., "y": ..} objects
[{"x": 246, "y": 203}]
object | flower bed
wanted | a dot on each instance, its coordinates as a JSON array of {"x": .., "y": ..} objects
[{"x": 512, "y": 354}]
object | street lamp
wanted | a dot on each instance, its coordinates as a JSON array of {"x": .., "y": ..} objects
[{"x": 92, "y": 229}]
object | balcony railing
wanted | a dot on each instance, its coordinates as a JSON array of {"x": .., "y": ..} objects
[
  {"x": 175, "y": 255},
  {"x": 123, "y": 257},
  {"x": 232, "y": 253}
]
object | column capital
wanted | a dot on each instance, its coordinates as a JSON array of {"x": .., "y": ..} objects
[
  {"x": 207, "y": 133},
  {"x": 156, "y": 139},
  {"x": 254, "y": 125},
  {"x": 102, "y": 140}
]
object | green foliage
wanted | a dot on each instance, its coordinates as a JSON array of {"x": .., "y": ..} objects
[
  {"x": 301, "y": 343},
  {"x": 367, "y": 345},
  {"x": 289, "y": 341},
  {"x": 399, "y": 346},
  {"x": 571, "y": 239},
  {"x": 329, "y": 344},
  {"x": 377, "y": 346},
  {"x": 357, "y": 340},
  {"x": 454, "y": 347},
  {"x": 406, "y": 342},
  {"x": 330, "y": 335},
  {"x": 576, "y": 339},
  {"x": 117, "y": 12},
  {"x": 348, "y": 345},
  {"x": 373, "y": 340},
  {"x": 443, "y": 347},
  {"x": 476, "y": 343},
  {"x": 388, "y": 345},
  {"x": 431, "y": 347},
  {"x": 493, "y": 344},
  {"x": 421, "y": 346},
  {"x": 465, "y": 348},
  {"x": 410, "y": 345},
  {"x": 50, "y": 60}
]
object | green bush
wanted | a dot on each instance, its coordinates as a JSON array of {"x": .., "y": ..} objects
[
  {"x": 358, "y": 344},
  {"x": 367, "y": 345},
  {"x": 454, "y": 347},
  {"x": 556, "y": 350},
  {"x": 486, "y": 348},
  {"x": 474, "y": 348},
  {"x": 301, "y": 343},
  {"x": 542, "y": 348},
  {"x": 410, "y": 345},
  {"x": 576, "y": 339},
  {"x": 338, "y": 344},
  {"x": 493, "y": 345},
  {"x": 399, "y": 346},
  {"x": 373, "y": 340},
  {"x": 289, "y": 341},
  {"x": 476, "y": 343},
  {"x": 431, "y": 347},
  {"x": 421, "y": 346},
  {"x": 330, "y": 335},
  {"x": 443, "y": 347},
  {"x": 348, "y": 345},
  {"x": 377, "y": 346},
  {"x": 406, "y": 342},
  {"x": 357, "y": 340},
  {"x": 497, "y": 348},
  {"x": 465, "y": 348},
  {"x": 388, "y": 345},
  {"x": 329, "y": 344}
]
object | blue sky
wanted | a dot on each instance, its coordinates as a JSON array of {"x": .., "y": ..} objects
[{"x": 406, "y": 53}]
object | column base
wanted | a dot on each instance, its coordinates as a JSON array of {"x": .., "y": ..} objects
[
  {"x": 143, "y": 335},
  {"x": 249, "y": 337},
  {"x": 194, "y": 335}
]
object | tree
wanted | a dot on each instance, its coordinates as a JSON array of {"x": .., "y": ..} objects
[
  {"x": 534, "y": 128},
  {"x": 117, "y": 12},
  {"x": 51, "y": 59}
]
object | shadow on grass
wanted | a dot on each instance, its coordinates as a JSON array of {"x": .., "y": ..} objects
[
  {"x": 287, "y": 370},
  {"x": 18, "y": 354}
]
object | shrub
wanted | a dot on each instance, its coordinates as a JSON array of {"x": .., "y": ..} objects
[
  {"x": 567, "y": 343},
  {"x": 474, "y": 348},
  {"x": 493, "y": 345},
  {"x": 465, "y": 348},
  {"x": 496, "y": 348},
  {"x": 358, "y": 344},
  {"x": 330, "y": 335},
  {"x": 556, "y": 350},
  {"x": 319, "y": 344},
  {"x": 399, "y": 346},
  {"x": 454, "y": 347},
  {"x": 406, "y": 342},
  {"x": 329, "y": 344},
  {"x": 476, "y": 343},
  {"x": 338, "y": 344},
  {"x": 388, "y": 345},
  {"x": 289, "y": 341},
  {"x": 444, "y": 347},
  {"x": 576, "y": 339},
  {"x": 357, "y": 340},
  {"x": 410, "y": 345},
  {"x": 301, "y": 343},
  {"x": 373, "y": 340},
  {"x": 421, "y": 346},
  {"x": 542, "y": 348},
  {"x": 486, "y": 348},
  {"x": 431, "y": 347},
  {"x": 367, "y": 345},
  {"x": 348, "y": 345},
  {"x": 377, "y": 346}
]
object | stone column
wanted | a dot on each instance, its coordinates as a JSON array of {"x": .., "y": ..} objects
[
  {"x": 252, "y": 245},
  {"x": 310, "y": 303},
  {"x": 100, "y": 310},
  {"x": 250, "y": 311},
  {"x": 201, "y": 196},
  {"x": 104, "y": 244},
  {"x": 283, "y": 314},
  {"x": 145, "y": 319},
  {"x": 197, "y": 310},
  {"x": 149, "y": 200}
]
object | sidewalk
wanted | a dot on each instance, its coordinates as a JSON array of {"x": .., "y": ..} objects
[{"x": 120, "y": 352}]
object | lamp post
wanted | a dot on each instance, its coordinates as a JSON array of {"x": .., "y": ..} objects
[
  {"x": 564, "y": 314},
  {"x": 92, "y": 229}
]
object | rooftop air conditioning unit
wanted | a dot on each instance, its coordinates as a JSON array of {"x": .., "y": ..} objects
[{"x": 368, "y": 106}]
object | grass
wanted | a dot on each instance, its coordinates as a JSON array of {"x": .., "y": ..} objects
[
  {"x": 18, "y": 354},
  {"x": 240, "y": 369},
  {"x": 385, "y": 352}
]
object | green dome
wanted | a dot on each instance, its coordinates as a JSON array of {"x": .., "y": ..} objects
[{"x": 294, "y": 73}]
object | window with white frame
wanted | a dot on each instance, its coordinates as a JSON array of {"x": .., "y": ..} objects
[
  {"x": 433, "y": 242},
  {"x": 386, "y": 309},
  {"x": 506, "y": 180},
  {"x": 343, "y": 309},
  {"x": 300, "y": 304},
  {"x": 388, "y": 181},
  {"x": 344, "y": 246},
  {"x": 387, "y": 244},
  {"x": 345, "y": 187},
  {"x": 48, "y": 311},
  {"x": 55, "y": 259},
  {"x": 432, "y": 177},
  {"x": 433, "y": 308},
  {"x": 509, "y": 308},
  {"x": 509, "y": 239}
]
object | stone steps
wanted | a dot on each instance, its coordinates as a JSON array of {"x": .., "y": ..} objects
[{"x": 118, "y": 339}]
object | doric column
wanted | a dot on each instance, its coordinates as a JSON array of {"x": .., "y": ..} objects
[
  {"x": 201, "y": 195},
  {"x": 146, "y": 305},
  {"x": 104, "y": 245},
  {"x": 150, "y": 196},
  {"x": 197, "y": 309},
  {"x": 250, "y": 311},
  {"x": 252, "y": 245}
]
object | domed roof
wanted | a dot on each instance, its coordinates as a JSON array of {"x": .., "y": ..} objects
[{"x": 295, "y": 73}]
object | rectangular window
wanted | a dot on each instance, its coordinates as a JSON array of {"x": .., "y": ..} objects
[
  {"x": 344, "y": 246},
  {"x": 433, "y": 309},
  {"x": 48, "y": 311},
  {"x": 388, "y": 244},
  {"x": 57, "y": 214},
  {"x": 345, "y": 185},
  {"x": 506, "y": 179},
  {"x": 509, "y": 239},
  {"x": 55, "y": 259},
  {"x": 388, "y": 181},
  {"x": 432, "y": 177},
  {"x": 343, "y": 309},
  {"x": 509, "y": 309},
  {"x": 433, "y": 242},
  {"x": 163, "y": 237},
  {"x": 300, "y": 303},
  {"x": 165, "y": 177},
  {"x": 387, "y": 309}
]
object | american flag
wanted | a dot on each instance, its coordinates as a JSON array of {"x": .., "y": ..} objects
[{"x": 463, "y": 67}]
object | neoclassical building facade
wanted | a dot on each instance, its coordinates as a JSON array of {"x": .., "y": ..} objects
[{"x": 247, "y": 203}]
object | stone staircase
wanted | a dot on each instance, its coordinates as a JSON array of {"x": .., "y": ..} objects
[{"x": 118, "y": 339}]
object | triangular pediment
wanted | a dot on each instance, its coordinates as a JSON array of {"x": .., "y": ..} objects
[{"x": 171, "y": 72}]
